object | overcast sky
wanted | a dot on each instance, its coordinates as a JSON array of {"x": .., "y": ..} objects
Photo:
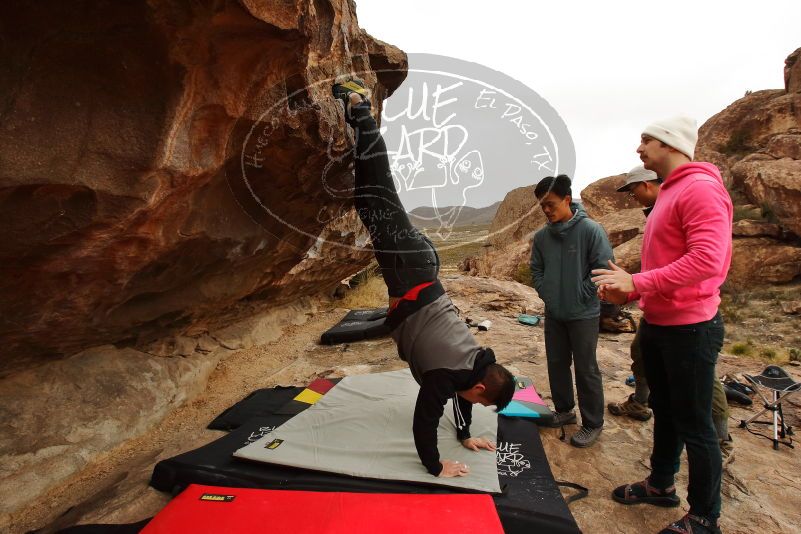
[{"x": 609, "y": 68}]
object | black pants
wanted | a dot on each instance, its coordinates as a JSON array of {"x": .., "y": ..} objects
[
  {"x": 405, "y": 256},
  {"x": 574, "y": 342},
  {"x": 680, "y": 367}
]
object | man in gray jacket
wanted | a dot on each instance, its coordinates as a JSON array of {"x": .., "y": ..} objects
[{"x": 562, "y": 256}]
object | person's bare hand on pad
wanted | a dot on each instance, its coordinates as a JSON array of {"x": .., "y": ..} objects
[
  {"x": 453, "y": 469},
  {"x": 474, "y": 444}
]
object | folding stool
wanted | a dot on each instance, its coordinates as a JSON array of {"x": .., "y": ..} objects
[{"x": 780, "y": 386}]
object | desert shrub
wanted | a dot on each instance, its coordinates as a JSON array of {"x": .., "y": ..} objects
[
  {"x": 729, "y": 306},
  {"x": 741, "y": 349},
  {"x": 795, "y": 354},
  {"x": 768, "y": 353},
  {"x": 523, "y": 274},
  {"x": 738, "y": 143},
  {"x": 768, "y": 213},
  {"x": 743, "y": 212},
  {"x": 371, "y": 292}
]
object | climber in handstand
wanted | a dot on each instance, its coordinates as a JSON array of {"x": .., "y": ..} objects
[{"x": 442, "y": 353}]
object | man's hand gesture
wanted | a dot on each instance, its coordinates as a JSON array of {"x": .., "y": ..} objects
[
  {"x": 474, "y": 444},
  {"x": 614, "y": 284}
]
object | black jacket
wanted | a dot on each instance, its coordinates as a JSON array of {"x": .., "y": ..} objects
[
  {"x": 444, "y": 358},
  {"x": 437, "y": 386}
]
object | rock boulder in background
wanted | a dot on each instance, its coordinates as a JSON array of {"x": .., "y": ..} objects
[
  {"x": 162, "y": 162},
  {"x": 518, "y": 216},
  {"x": 759, "y": 260},
  {"x": 775, "y": 185},
  {"x": 622, "y": 226},
  {"x": 602, "y": 198}
]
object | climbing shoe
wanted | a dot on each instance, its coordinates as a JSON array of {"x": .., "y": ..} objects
[
  {"x": 561, "y": 419},
  {"x": 630, "y": 408},
  {"x": 346, "y": 86},
  {"x": 585, "y": 437}
]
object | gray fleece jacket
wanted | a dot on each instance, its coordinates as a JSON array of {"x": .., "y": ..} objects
[{"x": 562, "y": 256}]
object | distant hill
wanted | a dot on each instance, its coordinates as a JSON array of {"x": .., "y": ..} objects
[{"x": 425, "y": 216}]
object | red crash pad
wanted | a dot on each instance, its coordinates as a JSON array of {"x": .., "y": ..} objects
[{"x": 211, "y": 509}]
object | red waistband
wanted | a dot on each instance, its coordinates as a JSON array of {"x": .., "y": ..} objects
[{"x": 412, "y": 294}]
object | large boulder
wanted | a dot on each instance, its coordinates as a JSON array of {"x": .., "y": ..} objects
[
  {"x": 622, "y": 226},
  {"x": 759, "y": 260},
  {"x": 518, "y": 216},
  {"x": 602, "y": 198},
  {"x": 509, "y": 263},
  {"x": 745, "y": 127},
  {"x": 755, "y": 228},
  {"x": 775, "y": 185},
  {"x": 145, "y": 188},
  {"x": 58, "y": 417},
  {"x": 767, "y": 122},
  {"x": 627, "y": 255},
  {"x": 508, "y": 249},
  {"x": 792, "y": 72}
]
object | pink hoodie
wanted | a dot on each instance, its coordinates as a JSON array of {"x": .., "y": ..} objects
[{"x": 686, "y": 250}]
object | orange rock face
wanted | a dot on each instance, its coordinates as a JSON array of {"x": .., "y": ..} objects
[
  {"x": 602, "y": 198},
  {"x": 623, "y": 225},
  {"x": 760, "y": 122},
  {"x": 518, "y": 216},
  {"x": 160, "y": 162}
]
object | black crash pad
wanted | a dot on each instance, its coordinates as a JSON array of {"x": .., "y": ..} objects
[
  {"x": 357, "y": 325},
  {"x": 258, "y": 404},
  {"x": 530, "y": 502}
]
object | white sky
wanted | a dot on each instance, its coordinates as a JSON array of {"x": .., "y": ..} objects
[{"x": 608, "y": 68}]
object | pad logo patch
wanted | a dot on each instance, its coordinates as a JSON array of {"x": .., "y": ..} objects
[
  {"x": 214, "y": 497},
  {"x": 274, "y": 444},
  {"x": 260, "y": 433},
  {"x": 510, "y": 460}
]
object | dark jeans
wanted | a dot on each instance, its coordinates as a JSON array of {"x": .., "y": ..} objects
[
  {"x": 720, "y": 406},
  {"x": 574, "y": 342},
  {"x": 680, "y": 367},
  {"x": 405, "y": 257}
]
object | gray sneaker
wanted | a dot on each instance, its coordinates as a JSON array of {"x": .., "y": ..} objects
[
  {"x": 562, "y": 419},
  {"x": 585, "y": 437}
]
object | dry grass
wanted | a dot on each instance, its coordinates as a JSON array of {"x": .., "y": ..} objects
[
  {"x": 756, "y": 326},
  {"x": 370, "y": 293}
]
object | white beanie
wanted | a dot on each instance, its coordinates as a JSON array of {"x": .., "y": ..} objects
[{"x": 680, "y": 133}]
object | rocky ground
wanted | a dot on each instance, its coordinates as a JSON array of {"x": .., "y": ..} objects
[{"x": 760, "y": 487}]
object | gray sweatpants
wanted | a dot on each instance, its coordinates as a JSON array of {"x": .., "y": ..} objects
[{"x": 574, "y": 342}]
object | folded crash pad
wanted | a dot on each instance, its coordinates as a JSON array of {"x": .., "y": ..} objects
[
  {"x": 526, "y": 402},
  {"x": 307, "y": 396},
  {"x": 211, "y": 509},
  {"x": 258, "y": 404},
  {"x": 356, "y": 326}
]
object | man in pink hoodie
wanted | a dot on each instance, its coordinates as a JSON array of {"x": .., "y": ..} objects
[{"x": 686, "y": 254}]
